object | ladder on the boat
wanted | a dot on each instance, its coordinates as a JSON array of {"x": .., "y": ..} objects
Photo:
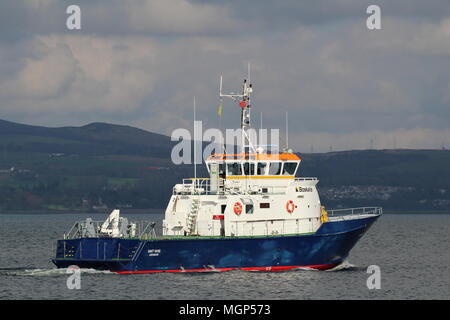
[{"x": 192, "y": 216}]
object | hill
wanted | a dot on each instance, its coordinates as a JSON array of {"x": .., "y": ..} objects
[
  {"x": 92, "y": 139},
  {"x": 105, "y": 165},
  {"x": 400, "y": 167}
]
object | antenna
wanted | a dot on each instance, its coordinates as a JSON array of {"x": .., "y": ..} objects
[
  {"x": 195, "y": 151},
  {"x": 260, "y": 120},
  {"x": 245, "y": 108},
  {"x": 287, "y": 132}
]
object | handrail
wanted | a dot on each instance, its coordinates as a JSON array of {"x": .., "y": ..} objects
[
  {"x": 203, "y": 186},
  {"x": 354, "y": 211},
  {"x": 285, "y": 230}
]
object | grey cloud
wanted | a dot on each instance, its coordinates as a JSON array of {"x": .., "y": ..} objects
[
  {"x": 21, "y": 18},
  {"x": 290, "y": 13},
  {"x": 338, "y": 80},
  {"x": 24, "y": 19}
]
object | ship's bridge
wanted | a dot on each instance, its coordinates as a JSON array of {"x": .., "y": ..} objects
[
  {"x": 254, "y": 166},
  {"x": 243, "y": 173}
]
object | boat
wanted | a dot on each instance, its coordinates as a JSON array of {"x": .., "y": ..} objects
[{"x": 252, "y": 213}]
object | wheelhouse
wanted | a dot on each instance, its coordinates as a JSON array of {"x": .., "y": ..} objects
[{"x": 254, "y": 166}]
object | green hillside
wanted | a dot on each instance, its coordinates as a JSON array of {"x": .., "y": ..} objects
[
  {"x": 77, "y": 168},
  {"x": 92, "y": 139},
  {"x": 425, "y": 168}
]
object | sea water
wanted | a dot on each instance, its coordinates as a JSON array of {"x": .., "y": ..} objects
[{"x": 412, "y": 252}]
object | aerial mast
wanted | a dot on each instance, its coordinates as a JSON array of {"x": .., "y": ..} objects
[{"x": 244, "y": 103}]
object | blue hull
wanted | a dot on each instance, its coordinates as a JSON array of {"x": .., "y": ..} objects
[{"x": 324, "y": 249}]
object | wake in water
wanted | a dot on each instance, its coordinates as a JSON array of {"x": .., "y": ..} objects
[
  {"x": 344, "y": 266},
  {"x": 63, "y": 271},
  {"x": 48, "y": 272},
  {"x": 304, "y": 269}
]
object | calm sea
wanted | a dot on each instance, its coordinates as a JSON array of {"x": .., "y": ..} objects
[{"x": 412, "y": 251}]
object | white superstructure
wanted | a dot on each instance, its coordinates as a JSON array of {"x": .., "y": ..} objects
[{"x": 246, "y": 203}]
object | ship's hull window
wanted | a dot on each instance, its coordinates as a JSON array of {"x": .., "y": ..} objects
[
  {"x": 264, "y": 205},
  {"x": 249, "y": 208}
]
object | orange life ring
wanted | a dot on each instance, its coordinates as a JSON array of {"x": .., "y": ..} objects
[
  {"x": 237, "y": 208},
  {"x": 290, "y": 206}
]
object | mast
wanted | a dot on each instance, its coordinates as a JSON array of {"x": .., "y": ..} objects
[
  {"x": 287, "y": 132},
  {"x": 195, "y": 151},
  {"x": 245, "y": 104}
]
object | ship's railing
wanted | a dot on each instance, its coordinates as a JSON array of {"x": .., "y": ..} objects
[
  {"x": 354, "y": 212},
  {"x": 197, "y": 186},
  {"x": 144, "y": 230},
  {"x": 101, "y": 249},
  {"x": 267, "y": 227},
  {"x": 194, "y": 186}
]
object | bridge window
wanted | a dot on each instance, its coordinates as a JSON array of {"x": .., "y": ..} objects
[
  {"x": 249, "y": 169},
  {"x": 289, "y": 168},
  {"x": 234, "y": 169},
  {"x": 275, "y": 168},
  {"x": 261, "y": 169}
]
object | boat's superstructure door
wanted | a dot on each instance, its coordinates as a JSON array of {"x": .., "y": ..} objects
[{"x": 214, "y": 177}]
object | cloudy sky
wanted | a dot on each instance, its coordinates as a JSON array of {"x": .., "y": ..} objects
[{"x": 140, "y": 62}]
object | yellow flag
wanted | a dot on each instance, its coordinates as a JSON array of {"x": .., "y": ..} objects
[{"x": 219, "y": 112}]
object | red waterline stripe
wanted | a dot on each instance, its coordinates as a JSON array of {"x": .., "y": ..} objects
[{"x": 283, "y": 268}]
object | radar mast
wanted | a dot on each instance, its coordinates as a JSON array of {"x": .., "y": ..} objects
[{"x": 245, "y": 104}]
